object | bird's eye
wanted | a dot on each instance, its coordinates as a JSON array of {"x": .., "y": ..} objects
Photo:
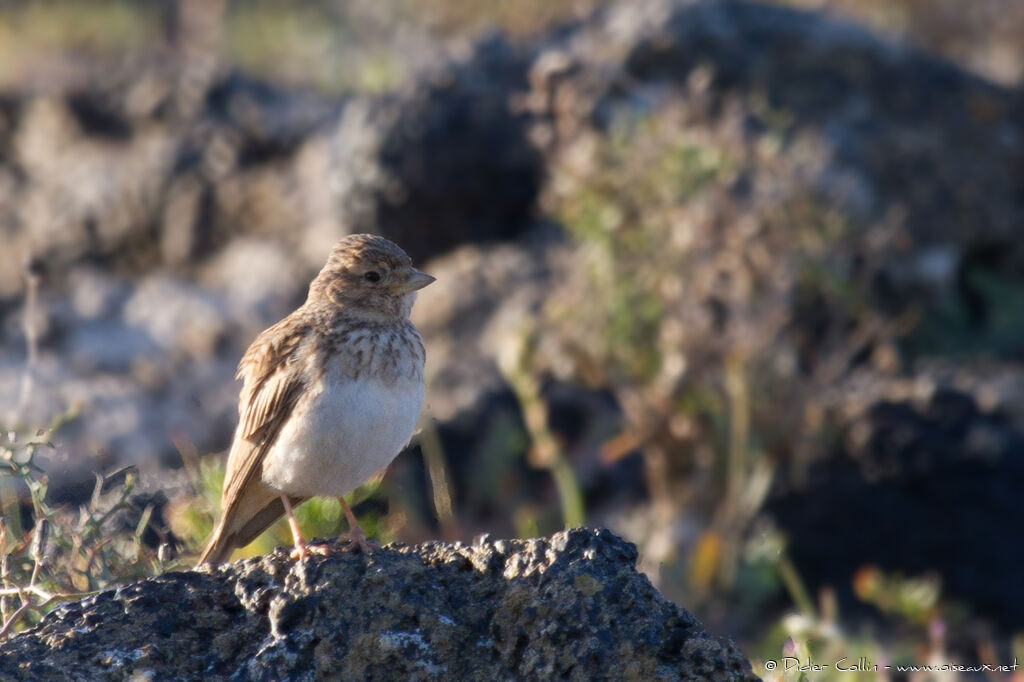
[{"x": 372, "y": 276}]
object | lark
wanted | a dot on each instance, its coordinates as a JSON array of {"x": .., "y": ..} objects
[{"x": 331, "y": 395}]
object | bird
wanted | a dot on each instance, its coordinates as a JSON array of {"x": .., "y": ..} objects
[{"x": 330, "y": 395}]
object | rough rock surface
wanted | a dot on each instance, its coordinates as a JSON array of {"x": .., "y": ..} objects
[{"x": 567, "y": 607}]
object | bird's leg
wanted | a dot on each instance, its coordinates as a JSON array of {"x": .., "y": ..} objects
[
  {"x": 302, "y": 550},
  {"x": 355, "y": 531},
  {"x": 300, "y": 544}
]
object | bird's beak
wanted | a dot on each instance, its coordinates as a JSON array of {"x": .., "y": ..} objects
[{"x": 416, "y": 280}]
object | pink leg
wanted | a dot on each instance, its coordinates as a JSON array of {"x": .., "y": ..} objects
[
  {"x": 302, "y": 550},
  {"x": 355, "y": 531},
  {"x": 300, "y": 543}
]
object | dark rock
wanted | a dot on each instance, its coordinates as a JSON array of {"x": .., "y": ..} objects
[
  {"x": 928, "y": 486},
  {"x": 569, "y": 607},
  {"x": 447, "y": 163}
]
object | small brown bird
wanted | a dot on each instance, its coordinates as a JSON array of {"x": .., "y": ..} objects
[{"x": 332, "y": 393}]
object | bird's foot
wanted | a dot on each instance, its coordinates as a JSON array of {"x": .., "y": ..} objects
[
  {"x": 356, "y": 536},
  {"x": 301, "y": 551},
  {"x": 357, "y": 540}
]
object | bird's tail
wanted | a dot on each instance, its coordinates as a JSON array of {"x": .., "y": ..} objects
[
  {"x": 218, "y": 547},
  {"x": 232, "y": 532}
]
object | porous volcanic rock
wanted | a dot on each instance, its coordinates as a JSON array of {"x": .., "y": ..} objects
[{"x": 571, "y": 606}]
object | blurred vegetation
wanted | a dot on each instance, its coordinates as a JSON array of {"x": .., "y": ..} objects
[
  {"x": 953, "y": 327},
  {"x": 982, "y": 35},
  {"x": 48, "y": 35},
  {"x": 56, "y": 553},
  {"x": 693, "y": 334},
  {"x": 337, "y": 45},
  {"x": 915, "y": 632},
  {"x": 718, "y": 303},
  {"x": 331, "y": 45}
]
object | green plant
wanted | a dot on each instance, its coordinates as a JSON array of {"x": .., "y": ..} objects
[
  {"x": 546, "y": 452},
  {"x": 812, "y": 642},
  {"x": 65, "y": 554}
]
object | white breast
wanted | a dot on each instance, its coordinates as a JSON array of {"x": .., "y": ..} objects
[{"x": 348, "y": 431}]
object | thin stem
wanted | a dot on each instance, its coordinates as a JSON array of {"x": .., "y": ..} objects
[
  {"x": 569, "y": 493},
  {"x": 795, "y": 587},
  {"x": 46, "y": 595},
  {"x": 547, "y": 451},
  {"x": 8, "y": 624},
  {"x": 31, "y": 342},
  {"x": 433, "y": 455}
]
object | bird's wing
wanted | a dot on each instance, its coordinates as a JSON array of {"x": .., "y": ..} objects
[{"x": 274, "y": 381}]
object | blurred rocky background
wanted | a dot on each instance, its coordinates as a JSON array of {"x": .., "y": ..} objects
[{"x": 741, "y": 281}]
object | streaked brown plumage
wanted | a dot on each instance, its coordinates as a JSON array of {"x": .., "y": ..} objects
[{"x": 331, "y": 393}]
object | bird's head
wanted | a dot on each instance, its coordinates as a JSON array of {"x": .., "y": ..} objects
[{"x": 369, "y": 276}]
